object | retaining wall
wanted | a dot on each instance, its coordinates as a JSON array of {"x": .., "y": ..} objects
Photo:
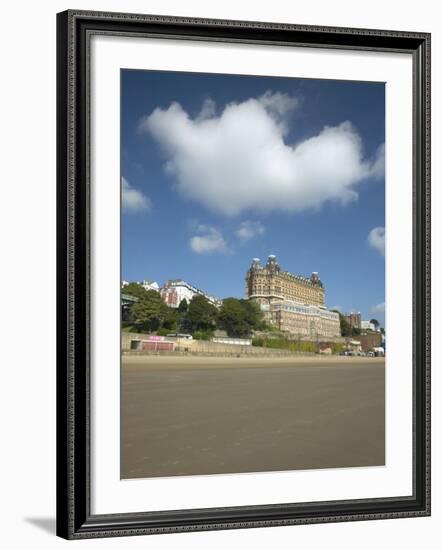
[{"x": 203, "y": 347}]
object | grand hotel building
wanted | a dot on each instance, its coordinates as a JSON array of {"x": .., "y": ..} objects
[{"x": 291, "y": 303}]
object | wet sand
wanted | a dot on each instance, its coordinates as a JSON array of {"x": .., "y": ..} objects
[{"x": 212, "y": 415}]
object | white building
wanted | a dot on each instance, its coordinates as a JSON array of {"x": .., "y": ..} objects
[
  {"x": 174, "y": 291},
  {"x": 147, "y": 285},
  {"x": 150, "y": 285},
  {"x": 302, "y": 319},
  {"x": 367, "y": 325}
]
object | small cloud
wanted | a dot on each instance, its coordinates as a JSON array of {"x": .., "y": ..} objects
[
  {"x": 379, "y": 308},
  {"x": 132, "y": 199},
  {"x": 209, "y": 240},
  {"x": 247, "y": 230},
  {"x": 376, "y": 239}
]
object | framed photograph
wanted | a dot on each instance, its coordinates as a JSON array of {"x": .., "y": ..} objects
[{"x": 243, "y": 274}]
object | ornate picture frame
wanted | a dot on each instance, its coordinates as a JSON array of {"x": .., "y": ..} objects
[{"x": 75, "y": 519}]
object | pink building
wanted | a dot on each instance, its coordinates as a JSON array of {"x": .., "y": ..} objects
[{"x": 174, "y": 291}]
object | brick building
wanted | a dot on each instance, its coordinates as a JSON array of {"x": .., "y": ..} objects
[{"x": 353, "y": 319}]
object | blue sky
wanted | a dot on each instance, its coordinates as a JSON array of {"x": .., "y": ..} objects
[{"x": 218, "y": 169}]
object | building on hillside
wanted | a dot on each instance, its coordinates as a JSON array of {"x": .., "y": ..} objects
[
  {"x": 369, "y": 340},
  {"x": 367, "y": 325},
  {"x": 174, "y": 291},
  {"x": 265, "y": 284},
  {"x": 150, "y": 285},
  {"x": 302, "y": 320},
  {"x": 291, "y": 303},
  {"x": 147, "y": 285},
  {"x": 353, "y": 319}
]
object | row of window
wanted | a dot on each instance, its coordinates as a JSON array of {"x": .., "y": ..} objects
[
  {"x": 287, "y": 287},
  {"x": 306, "y": 310}
]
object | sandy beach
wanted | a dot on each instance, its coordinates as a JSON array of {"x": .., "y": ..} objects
[
  {"x": 212, "y": 415},
  {"x": 204, "y": 361}
]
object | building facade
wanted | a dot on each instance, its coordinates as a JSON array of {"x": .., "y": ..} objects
[
  {"x": 305, "y": 321},
  {"x": 353, "y": 319},
  {"x": 367, "y": 325},
  {"x": 291, "y": 303},
  {"x": 174, "y": 291},
  {"x": 150, "y": 285},
  {"x": 369, "y": 340},
  {"x": 147, "y": 285},
  {"x": 265, "y": 284}
]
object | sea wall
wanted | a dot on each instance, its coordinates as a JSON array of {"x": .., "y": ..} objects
[{"x": 183, "y": 346}]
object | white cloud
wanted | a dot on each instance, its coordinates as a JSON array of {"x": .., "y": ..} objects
[
  {"x": 208, "y": 240},
  {"x": 378, "y": 167},
  {"x": 247, "y": 230},
  {"x": 208, "y": 109},
  {"x": 278, "y": 106},
  {"x": 379, "y": 308},
  {"x": 132, "y": 199},
  {"x": 376, "y": 239},
  {"x": 238, "y": 160}
]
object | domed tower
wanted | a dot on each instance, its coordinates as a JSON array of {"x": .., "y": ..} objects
[
  {"x": 272, "y": 264},
  {"x": 252, "y": 278},
  {"x": 315, "y": 280}
]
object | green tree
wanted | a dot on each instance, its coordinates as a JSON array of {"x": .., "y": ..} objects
[
  {"x": 182, "y": 324},
  {"x": 203, "y": 335},
  {"x": 170, "y": 318},
  {"x": 149, "y": 312},
  {"x": 375, "y": 322},
  {"x": 201, "y": 315},
  {"x": 239, "y": 317},
  {"x": 232, "y": 318},
  {"x": 346, "y": 328},
  {"x": 134, "y": 289},
  {"x": 253, "y": 314}
]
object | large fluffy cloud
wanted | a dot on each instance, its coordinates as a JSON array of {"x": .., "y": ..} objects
[
  {"x": 376, "y": 239},
  {"x": 132, "y": 199},
  {"x": 239, "y": 159}
]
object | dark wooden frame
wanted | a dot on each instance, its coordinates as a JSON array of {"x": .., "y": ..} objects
[{"x": 74, "y": 519}]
